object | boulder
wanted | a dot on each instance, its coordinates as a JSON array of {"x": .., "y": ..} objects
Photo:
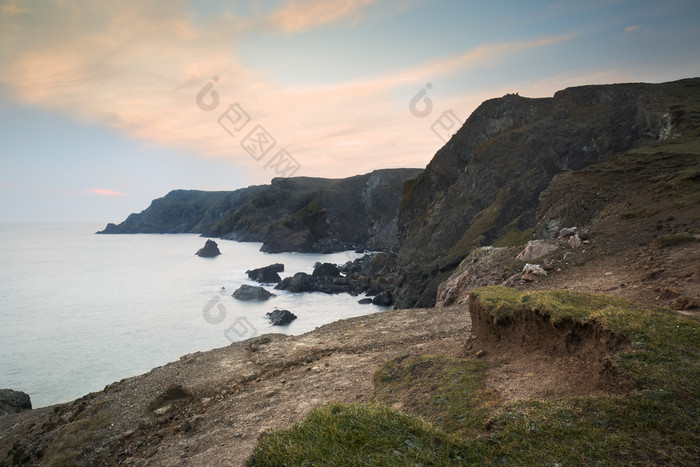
[
  {"x": 575, "y": 241},
  {"x": 209, "y": 250},
  {"x": 12, "y": 401},
  {"x": 536, "y": 249},
  {"x": 281, "y": 317},
  {"x": 267, "y": 275},
  {"x": 248, "y": 293},
  {"x": 299, "y": 282},
  {"x": 383, "y": 298},
  {"x": 326, "y": 270},
  {"x": 365, "y": 301},
  {"x": 533, "y": 272}
]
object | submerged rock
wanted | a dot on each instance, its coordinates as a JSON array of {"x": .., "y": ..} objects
[
  {"x": 267, "y": 275},
  {"x": 209, "y": 250},
  {"x": 281, "y": 317},
  {"x": 12, "y": 401},
  {"x": 251, "y": 293}
]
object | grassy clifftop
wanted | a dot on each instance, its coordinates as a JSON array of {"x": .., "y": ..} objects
[{"x": 435, "y": 410}]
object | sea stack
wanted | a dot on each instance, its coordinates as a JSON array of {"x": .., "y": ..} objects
[{"x": 210, "y": 250}]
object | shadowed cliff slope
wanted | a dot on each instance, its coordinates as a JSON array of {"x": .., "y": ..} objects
[
  {"x": 483, "y": 186},
  {"x": 359, "y": 211}
]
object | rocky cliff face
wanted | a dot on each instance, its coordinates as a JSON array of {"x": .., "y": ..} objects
[
  {"x": 180, "y": 211},
  {"x": 483, "y": 186},
  {"x": 291, "y": 214}
]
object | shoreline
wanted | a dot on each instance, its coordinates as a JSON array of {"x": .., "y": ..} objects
[{"x": 245, "y": 380}]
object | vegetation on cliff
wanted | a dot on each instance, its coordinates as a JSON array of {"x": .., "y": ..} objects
[
  {"x": 483, "y": 187},
  {"x": 447, "y": 414}
]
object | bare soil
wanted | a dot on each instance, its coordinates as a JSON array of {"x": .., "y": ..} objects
[
  {"x": 537, "y": 359},
  {"x": 230, "y": 395}
]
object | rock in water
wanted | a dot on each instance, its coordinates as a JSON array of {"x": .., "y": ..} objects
[
  {"x": 210, "y": 250},
  {"x": 266, "y": 275},
  {"x": 12, "y": 401},
  {"x": 281, "y": 317},
  {"x": 326, "y": 270},
  {"x": 251, "y": 292},
  {"x": 384, "y": 298}
]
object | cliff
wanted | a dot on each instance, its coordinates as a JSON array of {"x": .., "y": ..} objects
[
  {"x": 325, "y": 214},
  {"x": 483, "y": 186}
]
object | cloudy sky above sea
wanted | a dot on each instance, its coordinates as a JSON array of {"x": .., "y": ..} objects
[{"x": 106, "y": 105}]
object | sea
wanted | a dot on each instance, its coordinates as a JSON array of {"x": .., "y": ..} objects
[{"x": 79, "y": 311}]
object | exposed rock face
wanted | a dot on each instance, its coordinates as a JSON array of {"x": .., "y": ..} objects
[
  {"x": 249, "y": 293},
  {"x": 281, "y": 317},
  {"x": 482, "y": 267},
  {"x": 12, "y": 401},
  {"x": 180, "y": 211},
  {"x": 306, "y": 231},
  {"x": 209, "y": 250},
  {"x": 267, "y": 275},
  {"x": 484, "y": 184},
  {"x": 358, "y": 212}
]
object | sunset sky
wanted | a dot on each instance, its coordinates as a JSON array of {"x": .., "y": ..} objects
[{"x": 105, "y": 105}]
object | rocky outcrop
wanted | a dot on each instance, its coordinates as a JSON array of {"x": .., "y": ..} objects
[
  {"x": 536, "y": 249},
  {"x": 370, "y": 275},
  {"x": 267, "y": 275},
  {"x": 210, "y": 250},
  {"x": 281, "y": 317},
  {"x": 306, "y": 231},
  {"x": 483, "y": 266},
  {"x": 357, "y": 212},
  {"x": 483, "y": 186},
  {"x": 180, "y": 211},
  {"x": 12, "y": 401},
  {"x": 248, "y": 293}
]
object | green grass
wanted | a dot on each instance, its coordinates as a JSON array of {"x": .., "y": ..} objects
[
  {"x": 358, "y": 435},
  {"x": 449, "y": 417},
  {"x": 457, "y": 401}
]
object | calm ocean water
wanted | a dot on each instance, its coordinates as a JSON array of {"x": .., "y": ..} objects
[{"x": 79, "y": 311}]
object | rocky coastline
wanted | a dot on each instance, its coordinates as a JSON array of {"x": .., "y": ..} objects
[{"x": 595, "y": 190}]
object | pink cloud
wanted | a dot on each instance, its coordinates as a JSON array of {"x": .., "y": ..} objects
[
  {"x": 299, "y": 15},
  {"x": 106, "y": 192},
  {"x": 143, "y": 80}
]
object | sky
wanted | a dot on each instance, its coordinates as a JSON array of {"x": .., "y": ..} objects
[{"x": 106, "y": 105}]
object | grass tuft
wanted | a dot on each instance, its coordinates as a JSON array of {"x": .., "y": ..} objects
[{"x": 669, "y": 240}]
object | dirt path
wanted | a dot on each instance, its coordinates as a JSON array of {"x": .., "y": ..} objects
[{"x": 231, "y": 395}]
